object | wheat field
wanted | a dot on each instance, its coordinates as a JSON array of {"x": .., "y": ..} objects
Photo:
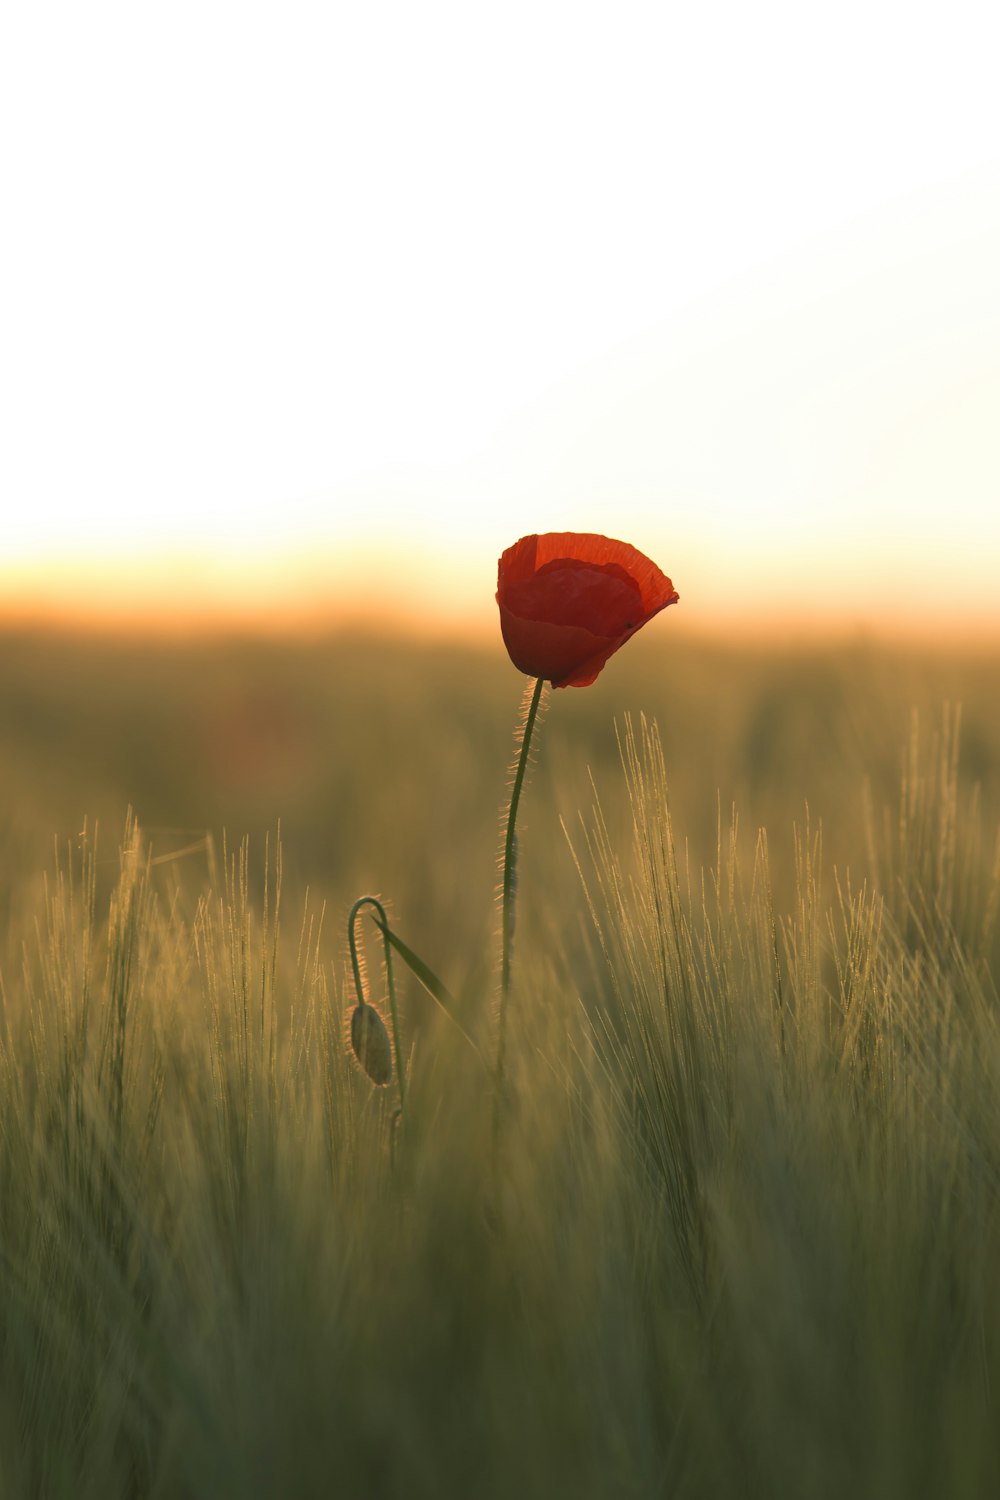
[{"x": 739, "y": 1235}]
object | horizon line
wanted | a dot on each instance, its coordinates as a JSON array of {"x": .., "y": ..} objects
[{"x": 733, "y": 626}]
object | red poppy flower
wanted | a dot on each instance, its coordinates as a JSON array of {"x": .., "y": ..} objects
[{"x": 568, "y": 600}]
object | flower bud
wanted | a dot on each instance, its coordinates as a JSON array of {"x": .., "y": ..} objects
[{"x": 370, "y": 1042}]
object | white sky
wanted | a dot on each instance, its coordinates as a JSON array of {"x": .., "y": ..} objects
[{"x": 277, "y": 282}]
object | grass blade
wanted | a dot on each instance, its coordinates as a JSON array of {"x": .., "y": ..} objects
[{"x": 428, "y": 979}]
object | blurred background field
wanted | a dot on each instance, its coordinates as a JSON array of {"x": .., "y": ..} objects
[
  {"x": 382, "y": 764},
  {"x": 384, "y": 759}
]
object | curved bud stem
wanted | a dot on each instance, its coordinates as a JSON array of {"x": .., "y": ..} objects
[{"x": 382, "y": 922}]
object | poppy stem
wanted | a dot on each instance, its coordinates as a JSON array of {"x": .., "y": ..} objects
[
  {"x": 352, "y": 937},
  {"x": 532, "y": 698}
]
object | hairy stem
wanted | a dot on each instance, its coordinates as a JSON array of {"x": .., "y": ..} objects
[{"x": 532, "y": 698}]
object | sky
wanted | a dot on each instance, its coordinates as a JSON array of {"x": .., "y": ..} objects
[{"x": 316, "y": 308}]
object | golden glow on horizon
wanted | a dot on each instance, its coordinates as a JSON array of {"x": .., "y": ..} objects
[{"x": 413, "y": 593}]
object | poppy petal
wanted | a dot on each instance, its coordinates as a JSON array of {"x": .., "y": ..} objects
[{"x": 604, "y": 600}]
